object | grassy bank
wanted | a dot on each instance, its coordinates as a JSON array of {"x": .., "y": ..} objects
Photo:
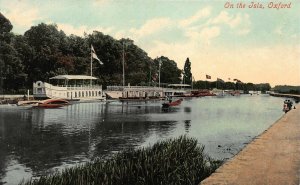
[{"x": 174, "y": 161}]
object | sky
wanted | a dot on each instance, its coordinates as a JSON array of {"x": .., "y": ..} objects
[{"x": 250, "y": 44}]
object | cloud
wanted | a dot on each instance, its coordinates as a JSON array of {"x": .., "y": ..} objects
[
  {"x": 202, "y": 13},
  {"x": 209, "y": 33},
  {"x": 239, "y": 23},
  {"x": 204, "y": 35},
  {"x": 80, "y": 30},
  {"x": 222, "y": 18},
  {"x": 150, "y": 27},
  {"x": 21, "y": 14}
]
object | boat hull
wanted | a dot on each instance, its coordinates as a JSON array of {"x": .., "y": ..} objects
[
  {"x": 172, "y": 104},
  {"x": 43, "y": 90}
]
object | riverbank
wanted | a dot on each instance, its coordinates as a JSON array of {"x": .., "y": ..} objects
[
  {"x": 13, "y": 99},
  {"x": 272, "y": 158}
]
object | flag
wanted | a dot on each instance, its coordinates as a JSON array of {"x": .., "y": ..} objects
[
  {"x": 159, "y": 63},
  {"x": 219, "y": 79},
  {"x": 154, "y": 77},
  {"x": 235, "y": 79},
  {"x": 229, "y": 79},
  {"x": 95, "y": 56},
  {"x": 208, "y": 77}
]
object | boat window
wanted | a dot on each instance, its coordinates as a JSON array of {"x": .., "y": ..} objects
[
  {"x": 75, "y": 94},
  {"x": 82, "y": 94},
  {"x": 92, "y": 93},
  {"x": 99, "y": 93},
  {"x": 89, "y": 93}
]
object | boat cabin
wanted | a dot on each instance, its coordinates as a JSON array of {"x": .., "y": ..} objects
[{"x": 177, "y": 90}]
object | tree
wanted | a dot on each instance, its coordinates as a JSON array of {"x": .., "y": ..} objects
[
  {"x": 11, "y": 66},
  {"x": 5, "y": 28},
  {"x": 169, "y": 72},
  {"x": 52, "y": 52},
  {"x": 187, "y": 75}
]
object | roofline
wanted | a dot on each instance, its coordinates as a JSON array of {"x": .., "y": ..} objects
[
  {"x": 179, "y": 85},
  {"x": 73, "y": 77}
]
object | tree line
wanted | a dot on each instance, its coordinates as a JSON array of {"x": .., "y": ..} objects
[
  {"x": 43, "y": 51},
  {"x": 220, "y": 84}
]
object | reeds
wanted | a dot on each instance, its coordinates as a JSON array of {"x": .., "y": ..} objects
[{"x": 174, "y": 161}]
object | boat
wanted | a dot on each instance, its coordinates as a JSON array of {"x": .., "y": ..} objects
[
  {"x": 201, "y": 93},
  {"x": 134, "y": 93},
  {"x": 177, "y": 90},
  {"x": 172, "y": 104},
  {"x": 235, "y": 93},
  {"x": 69, "y": 87},
  {"x": 52, "y": 103},
  {"x": 28, "y": 103},
  {"x": 219, "y": 92}
]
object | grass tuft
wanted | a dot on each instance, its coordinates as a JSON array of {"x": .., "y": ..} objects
[{"x": 170, "y": 162}]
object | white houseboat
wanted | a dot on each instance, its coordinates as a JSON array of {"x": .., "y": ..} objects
[
  {"x": 70, "y": 87},
  {"x": 177, "y": 90},
  {"x": 138, "y": 92},
  {"x": 134, "y": 92}
]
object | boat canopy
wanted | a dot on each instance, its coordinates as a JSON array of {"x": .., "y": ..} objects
[
  {"x": 73, "y": 77},
  {"x": 179, "y": 85}
]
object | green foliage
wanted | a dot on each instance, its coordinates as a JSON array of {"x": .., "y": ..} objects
[
  {"x": 169, "y": 72},
  {"x": 246, "y": 87},
  {"x": 287, "y": 89},
  {"x": 187, "y": 74},
  {"x": 5, "y": 25},
  {"x": 171, "y": 162}
]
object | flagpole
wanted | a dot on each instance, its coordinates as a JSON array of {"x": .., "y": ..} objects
[
  {"x": 193, "y": 80},
  {"x": 91, "y": 64},
  {"x": 159, "y": 72}
]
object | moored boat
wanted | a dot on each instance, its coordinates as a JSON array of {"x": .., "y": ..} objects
[
  {"x": 28, "y": 103},
  {"x": 132, "y": 93},
  {"x": 177, "y": 90},
  {"x": 52, "y": 103},
  {"x": 203, "y": 92},
  {"x": 70, "y": 87},
  {"x": 172, "y": 103}
]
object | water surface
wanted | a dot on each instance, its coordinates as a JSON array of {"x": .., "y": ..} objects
[{"x": 36, "y": 142}]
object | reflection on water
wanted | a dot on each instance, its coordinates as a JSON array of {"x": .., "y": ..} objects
[{"x": 34, "y": 142}]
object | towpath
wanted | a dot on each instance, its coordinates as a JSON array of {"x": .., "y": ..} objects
[{"x": 273, "y": 158}]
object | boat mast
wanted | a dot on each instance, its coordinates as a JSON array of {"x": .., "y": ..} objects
[{"x": 123, "y": 60}]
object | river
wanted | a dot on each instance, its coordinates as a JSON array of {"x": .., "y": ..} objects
[{"x": 36, "y": 142}]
